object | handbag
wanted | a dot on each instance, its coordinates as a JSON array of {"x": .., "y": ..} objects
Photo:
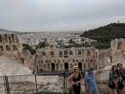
[{"x": 111, "y": 84}]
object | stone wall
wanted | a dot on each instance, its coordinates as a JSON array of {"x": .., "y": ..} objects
[
  {"x": 118, "y": 49},
  {"x": 103, "y": 58},
  {"x": 63, "y": 59},
  {"x": 10, "y": 44}
]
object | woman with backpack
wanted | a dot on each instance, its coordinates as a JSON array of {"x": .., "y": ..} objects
[
  {"x": 75, "y": 79},
  {"x": 113, "y": 80}
]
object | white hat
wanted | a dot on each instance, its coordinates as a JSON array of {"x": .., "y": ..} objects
[{"x": 75, "y": 67}]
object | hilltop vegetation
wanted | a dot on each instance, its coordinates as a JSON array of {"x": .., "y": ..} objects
[{"x": 105, "y": 34}]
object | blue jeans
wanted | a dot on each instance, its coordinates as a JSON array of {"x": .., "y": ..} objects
[{"x": 93, "y": 90}]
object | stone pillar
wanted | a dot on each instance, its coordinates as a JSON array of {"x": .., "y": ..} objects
[{"x": 0, "y": 39}]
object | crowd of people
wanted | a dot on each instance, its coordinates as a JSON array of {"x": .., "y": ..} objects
[{"x": 116, "y": 81}]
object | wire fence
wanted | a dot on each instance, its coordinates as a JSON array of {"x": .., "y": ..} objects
[{"x": 46, "y": 83}]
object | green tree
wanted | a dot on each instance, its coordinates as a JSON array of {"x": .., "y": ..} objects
[
  {"x": 27, "y": 47},
  {"x": 41, "y": 45}
]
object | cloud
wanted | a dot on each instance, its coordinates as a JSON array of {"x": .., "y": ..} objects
[{"x": 59, "y": 15}]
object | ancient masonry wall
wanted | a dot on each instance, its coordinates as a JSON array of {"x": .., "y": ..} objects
[
  {"x": 63, "y": 59},
  {"x": 9, "y": 44},
  {"x": 118, "y": 49}
]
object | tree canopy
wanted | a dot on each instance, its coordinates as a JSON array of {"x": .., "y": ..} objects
[{"x": 105, "y": 34}]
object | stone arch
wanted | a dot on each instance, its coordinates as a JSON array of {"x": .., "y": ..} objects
[
  {"x": 119, "y": 47},
  {"x": 7, "y": 48},
  {"x": 40, "y": 70},
  {"x": 66, "y": 66},
  {"x": 1, "y": 48},
  {"x": 5, "y": 37},
  {"x": 14, "y": 48},
  {"x": 80, "y": 66},
  {"x": 0, "y": 38},
  {"x": 52, "y": 67}
]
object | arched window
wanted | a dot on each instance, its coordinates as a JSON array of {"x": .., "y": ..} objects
[
  {"x": 91, "y": 60},
  {"x": 0, "y": 38},
  {"x": 119, "y": 45},
  {"x": 52, "y": 54},
  {"x": 84, "y": 66},
  {"x": 7, "y": 48},
  {"x": 61, "y": 66},
  {"x": 60, "y": 53},
  {"x": 57, "y": 66},
  {"x": 9, "y": 38},
  {"x": 88, "y": 64},
  {"x": 1, "y": 48},
  {"x": 41, "y": 61},
  {"x": 44, "y": 66},
  {"x": 80, "y": 65},
  {"x": 79, "y": 53},
  {"x": 66, "y": 54},
  {"x": 52, "y": 67},
  {"x": 71, "y": 53},
  {"x": 88, "y": 52},
  {"x": 43, "y": 53},
  {"x": 48, "y": 66},
  {"x": 14, "y": 48},
  {"x": 66, "y": 66}
]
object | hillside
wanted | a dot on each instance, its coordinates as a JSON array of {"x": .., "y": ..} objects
[
  {"x": 5, "y": 30},
  {"x": 105, "y": 34}
]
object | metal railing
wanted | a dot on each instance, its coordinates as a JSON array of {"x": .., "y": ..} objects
[{"x": 46, "y": 83}]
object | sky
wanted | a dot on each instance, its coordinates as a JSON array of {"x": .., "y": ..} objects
[{"x": 59, "y": 15}]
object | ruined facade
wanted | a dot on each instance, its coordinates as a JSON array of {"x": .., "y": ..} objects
[
  {"x": 9, "y": 43},
  {"x": 63, "y": 59},
  {"x": 118, "y": 49},
  {"x": 103, "y": 58}
]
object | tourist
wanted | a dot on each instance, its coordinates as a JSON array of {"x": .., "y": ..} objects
[
  {"x": 121, "y": 82},
  {"x": 113, "y": 80},
  {"x": 74, "y": 79},
  {"x": 90, "y": 83}
]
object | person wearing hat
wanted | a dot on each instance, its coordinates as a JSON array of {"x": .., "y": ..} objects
[
  {"x": 75, "y": 79},
  {"x": 90, "y": 82}
]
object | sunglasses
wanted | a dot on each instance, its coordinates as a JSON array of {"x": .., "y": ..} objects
[{"x": 75, "y": 69}]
